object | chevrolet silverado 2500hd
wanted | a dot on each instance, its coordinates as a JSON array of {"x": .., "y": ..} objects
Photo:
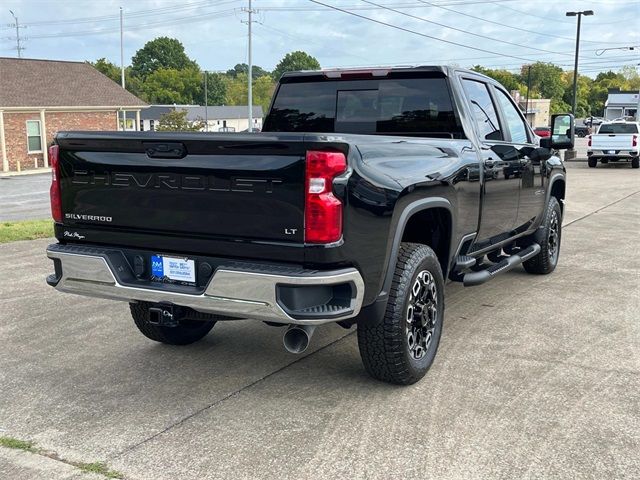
[
  {"x": 366, "y": 190},
  {"x": 615, "y": 141}
]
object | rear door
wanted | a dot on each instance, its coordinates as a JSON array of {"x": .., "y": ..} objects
[
  {"x": 530, "y": 173},
  {"x": 501, "y": 184},
  {"x": 185, "y": 185}
]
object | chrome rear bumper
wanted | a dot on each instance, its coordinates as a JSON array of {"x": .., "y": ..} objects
[{"x": 230, "y": 291}]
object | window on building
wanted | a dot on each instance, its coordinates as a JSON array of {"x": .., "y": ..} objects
[
  {"x": 152, "y": 125},
  {"x": 34, "y": 140}
]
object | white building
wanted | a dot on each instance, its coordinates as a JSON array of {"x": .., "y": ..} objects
[
  {"x": 226, "y": 118},
  {"x": 621, "y": 104},
  {"x": 219, "y": 118}
]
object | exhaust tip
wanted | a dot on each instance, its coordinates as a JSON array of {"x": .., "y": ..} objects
[{"x": 297, "y": 338}]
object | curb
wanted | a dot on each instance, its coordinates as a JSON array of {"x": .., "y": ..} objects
[{"x": 25, "y": 172}]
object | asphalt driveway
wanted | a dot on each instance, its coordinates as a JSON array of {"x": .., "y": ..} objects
[
  {"x": 536, "y": 377},
  {"x": 25, "y": 197}
]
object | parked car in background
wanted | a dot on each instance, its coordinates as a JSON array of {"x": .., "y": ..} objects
[
  {"x": 542, "y": 131},
  {"x": 582, "y": 131},
  {"x": 615, "y": 141},
  {"x": 593, "y": 121}
]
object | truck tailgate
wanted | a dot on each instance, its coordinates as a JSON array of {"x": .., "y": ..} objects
[
  {"x": 224, "y": 185},
  {"x": 613, "y": 141}
]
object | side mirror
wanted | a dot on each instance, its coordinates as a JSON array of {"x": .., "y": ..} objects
[
  {"x": 540, "y": 154},
  {"x": 562, "y": 131}
]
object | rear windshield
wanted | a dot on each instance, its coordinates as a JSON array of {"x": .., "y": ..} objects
[
  {"x": 392, "y": 106},
  {"x": 618, "y": 128}
]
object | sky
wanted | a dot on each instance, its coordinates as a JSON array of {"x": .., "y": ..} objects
[{"x": 494, "y": 33}]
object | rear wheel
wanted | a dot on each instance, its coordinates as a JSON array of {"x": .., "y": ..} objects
[
  {"x": 635, "y": 162},
  {"x": 548, "y": 236},
  {"x": 400, "y": 347},
  {"x": 184, "y": 332},
  {"x": 593, "y": 162}
]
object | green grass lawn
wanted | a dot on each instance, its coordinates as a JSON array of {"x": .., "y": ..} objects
[{"x": 25, "y": 230}]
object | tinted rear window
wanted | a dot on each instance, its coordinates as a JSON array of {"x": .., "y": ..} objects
[
  {"x": 403, "y": 106},
  {"x": 619, "y": 128}
]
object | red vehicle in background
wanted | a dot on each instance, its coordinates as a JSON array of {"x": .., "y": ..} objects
[{"x": 542, "y": 131}]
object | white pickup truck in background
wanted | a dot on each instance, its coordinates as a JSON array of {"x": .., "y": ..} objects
[{"x": 615, "y": 141}]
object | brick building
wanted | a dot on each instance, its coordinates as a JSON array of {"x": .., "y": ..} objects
[{"x": 41, "y": 97}]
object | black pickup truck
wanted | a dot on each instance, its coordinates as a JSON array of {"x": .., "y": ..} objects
[{"x": 366, "y": 190}]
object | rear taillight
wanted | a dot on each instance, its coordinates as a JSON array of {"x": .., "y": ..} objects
[
  {"x": 634, "y": 141},
  {"x": 589, "y": 141},
  {"x": 322, "y": 210},
  {"x": 54, "y": 191}
]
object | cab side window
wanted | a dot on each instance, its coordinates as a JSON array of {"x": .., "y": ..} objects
[
  {"x": 515, "y": 123},
  {"x": 484, "y": 110}
]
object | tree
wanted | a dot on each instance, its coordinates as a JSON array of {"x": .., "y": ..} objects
[
  {"x": 168, "y": 85},
  {"x": 216, "y": 89},
  {"x": 176, "y": 121},
  {"x": 508, "y": 80},
  {"x": 263, "y": 89},
  {"x": 546, "y": 79},
  {"x": 244, "y": 68},
  {"x": 295, "y": 61},
  {"x": 162, "y": 52},
  {"x": 237, "y": 91},
  {"x": 107, "y": 68}
]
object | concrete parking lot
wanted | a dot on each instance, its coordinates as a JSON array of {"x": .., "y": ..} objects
[{"x": 536, "y": 377}]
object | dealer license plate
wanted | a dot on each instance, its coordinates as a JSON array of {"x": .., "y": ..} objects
[
  {"x": 610, "y": 152},
  {"x": 172, "y": 268}
]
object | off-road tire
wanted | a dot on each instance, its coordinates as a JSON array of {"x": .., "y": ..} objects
[
  {"x": 384, "y": 343},
  {"x": 545, "y": 262},
  {"x": 186, "y": 332},
  {"x": 592, "y": 162},
  {"x": 635, "y": 162}
]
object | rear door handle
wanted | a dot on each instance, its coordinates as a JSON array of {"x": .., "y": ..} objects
[{"x": 165, "y": 149}]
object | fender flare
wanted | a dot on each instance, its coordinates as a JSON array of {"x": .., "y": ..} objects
[
  {"x": 407, "y": 213},
  {"x": 554, "y": 178}
]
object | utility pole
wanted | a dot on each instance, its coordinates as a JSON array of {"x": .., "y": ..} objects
[
  {"x": 250, "y": 11},
  {"x": 206, "y": 103},
  {"x": 124, "y": 114},
  {"x": 16, "y": 24},
  {"x": 526, "y": 108}
]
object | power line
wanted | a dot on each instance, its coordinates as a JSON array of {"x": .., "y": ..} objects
[
  {"x": 508, "y": 26},
  {"x": 133, "y": 14},
  {"x": 462, "y": 30},
  {"x": 380, "y": 22},
  {"x": 175, "y": 21},
  {"x": 551, "y": 19}
]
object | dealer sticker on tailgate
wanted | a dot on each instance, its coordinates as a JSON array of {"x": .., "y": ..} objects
[{"x": 181, "y": 269}]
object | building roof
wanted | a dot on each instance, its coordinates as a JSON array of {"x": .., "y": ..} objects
[
  {"x": 222, "y": 112},
  {"x": 51, "y": 83},
  {"x": 621, "y": 98}
]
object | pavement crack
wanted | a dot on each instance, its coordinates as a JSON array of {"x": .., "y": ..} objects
[
  {"x": 600, "y": 209},
  {"x": 224, "y": 399}
]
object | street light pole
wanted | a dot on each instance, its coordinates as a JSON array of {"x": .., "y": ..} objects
[{"x": 575, "y": 67}]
